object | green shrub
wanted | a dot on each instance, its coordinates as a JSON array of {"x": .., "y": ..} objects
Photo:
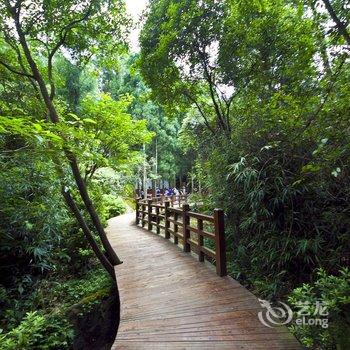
[
  {"x": 38, "y": 331},
  {"x": 75, "y": 290},
  {"x": 113, "y": 206},
  {"x": 334, "y": 293},
  {"x": 49, "y": 327},
  {"x": 200, "y": 203}
]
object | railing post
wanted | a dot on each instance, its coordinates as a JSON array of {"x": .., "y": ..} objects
[
  {"x": 137, "y": 211},
  {"x": 166, "y": 221},
  {"x": 149, "y": 227},
  {"x": 143, "y": 207},
  {"x": 186, "y": 232},
  {"x": 220, "y": 244},
  {"x": 176, "y": 228}
]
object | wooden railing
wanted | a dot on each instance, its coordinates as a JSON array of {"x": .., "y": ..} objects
[
  {"x": 193, "y": 229},
  {"x": 174, "y": 199}
]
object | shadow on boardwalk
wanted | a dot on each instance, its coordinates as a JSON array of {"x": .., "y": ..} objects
[{"x": 170, "y": 301}]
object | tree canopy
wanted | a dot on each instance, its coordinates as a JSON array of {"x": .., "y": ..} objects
[
  {"x": 244, "y": 103},
  {"x": 263, "y": 86}
]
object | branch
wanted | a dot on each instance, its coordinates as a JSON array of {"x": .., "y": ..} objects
[
  {"x": 15, "y": 13},
  {"x": 326, "y": 95},
  {"x": 65, "y": 30},
  {"x": 15, "y": 150},
  {"x": 20, "y": 60},
  {"x": 217, "y": 107},
  {"x": 201, "y": 112},
  {"x": 216, "y": 90},
  {"x": 212, "y": 95},
  {"x": 89, "y": 172},
  {"x": 340, "y": 25},
  {"x": 63, "y": 36},
  {"x": 13, "y": 70},
  {"x": 225, "y": 111}
]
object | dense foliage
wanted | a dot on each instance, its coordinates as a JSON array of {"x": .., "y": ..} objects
[
  {"x": 67, "y": 153},
  {"x": 164, "y": 160},
  {"x": 248, "y": 100},
  {"x": 50, "y": 325},
  {"x": 332, "y": 291},
  {"x": 265, "y": 87}
]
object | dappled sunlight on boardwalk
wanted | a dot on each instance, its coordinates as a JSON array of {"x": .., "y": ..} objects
[{"x": 170, "y": 301}]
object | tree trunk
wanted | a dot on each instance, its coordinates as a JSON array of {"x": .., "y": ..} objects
[
  {"x": 101, "y": 257},
  {"x": 113, "y": 258},
  {"x": 71, "y": 157}
]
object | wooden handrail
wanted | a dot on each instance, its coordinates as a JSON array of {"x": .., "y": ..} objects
[
  {"x": 168, "y": 218},
  {"x": 174, "y": 199}
]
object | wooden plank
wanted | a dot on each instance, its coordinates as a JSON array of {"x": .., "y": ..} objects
[
  {"x": 170, "y": 301},
  {"x": 175, "y": 233},
  {"x": 201, "y": 231},
  {"x": 175, "y": 210},
  {"x": 208, "y": 252},
  {"x": 194, "y": 215},
  {"x": 193, "y": 243}
]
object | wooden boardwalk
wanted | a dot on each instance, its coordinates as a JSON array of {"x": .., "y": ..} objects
[{"x": 171, "y": 301}]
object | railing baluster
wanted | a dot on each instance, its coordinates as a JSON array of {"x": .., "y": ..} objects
[
  {"x": 176, "y": 228},
  {"x": 186, "y": 232},
  {"x": 137, "y": 211},
  {"x": 169, "y": 210},
  {"x": 166, "y": 221},
  {"x": 157, "y": 220},
  {"x": 200, "y": 240},
  {"x": 149, "y": 202},
  {"x": 143, "y": 206}
]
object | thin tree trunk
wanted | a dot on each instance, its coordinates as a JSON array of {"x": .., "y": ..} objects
[
  {"x": 71, "y": 157},
  {"x": 101, "y": 257},
  {"x": 113, "y": 258}
]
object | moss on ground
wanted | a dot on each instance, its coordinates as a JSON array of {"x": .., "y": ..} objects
[{"x": 43, "y": 320}]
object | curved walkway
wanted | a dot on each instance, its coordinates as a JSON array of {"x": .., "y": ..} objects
[{"x": 170, "y": 301}]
